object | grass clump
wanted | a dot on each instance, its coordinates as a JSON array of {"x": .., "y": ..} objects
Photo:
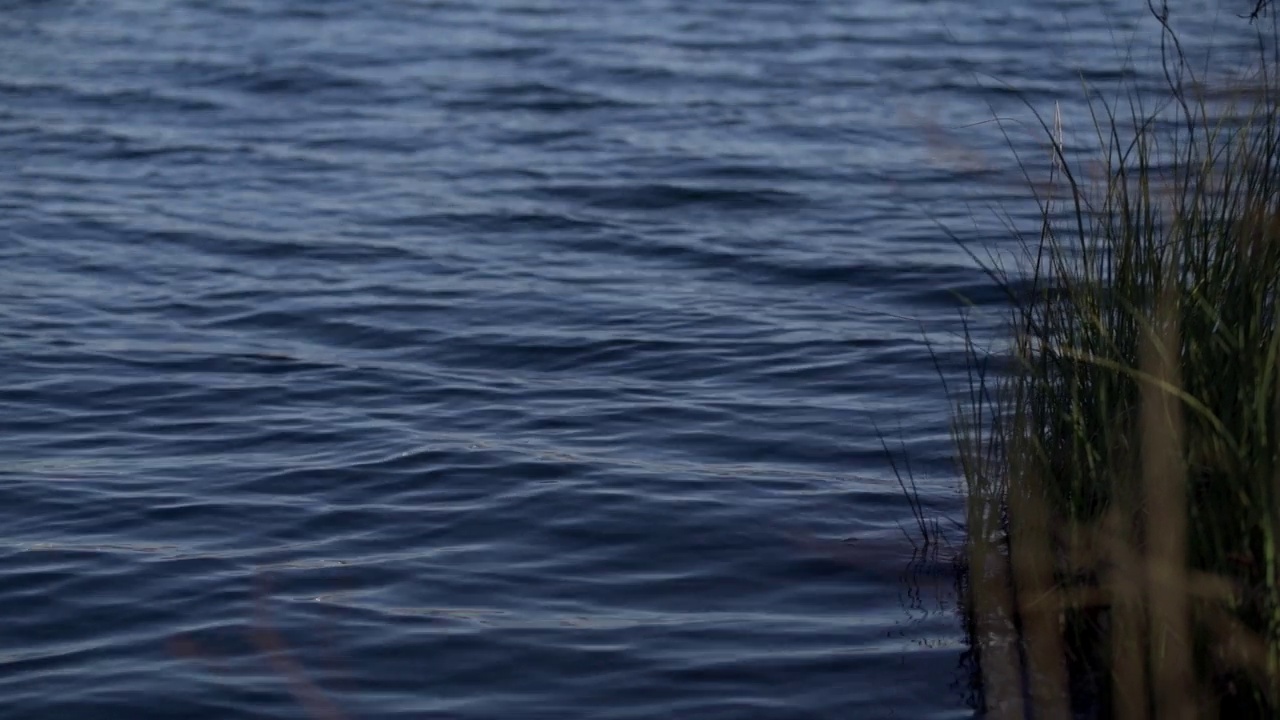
[{"x": 1122, "y": 467}]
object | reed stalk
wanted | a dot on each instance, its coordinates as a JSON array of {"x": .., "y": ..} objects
[{"x": 1123, "y": 475}]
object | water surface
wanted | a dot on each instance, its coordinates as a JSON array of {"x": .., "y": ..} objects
[{"x": 505, "y": 359}]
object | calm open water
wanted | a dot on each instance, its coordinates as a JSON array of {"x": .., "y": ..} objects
[{"x": 496, "y": 359}]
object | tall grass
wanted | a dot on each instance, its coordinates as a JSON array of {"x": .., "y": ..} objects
[{"x": 1122, "y": 468}]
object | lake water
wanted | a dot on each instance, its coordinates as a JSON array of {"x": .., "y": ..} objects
[{"x": 499, "y": 359}]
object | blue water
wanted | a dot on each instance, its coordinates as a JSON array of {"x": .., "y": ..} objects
[{"x": 497, "y": 360}]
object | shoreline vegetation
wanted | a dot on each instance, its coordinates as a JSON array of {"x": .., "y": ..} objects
[{"x": 1121, "y": 452}]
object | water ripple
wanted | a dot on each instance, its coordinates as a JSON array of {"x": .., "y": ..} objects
[{"x": 500, "y": 360}]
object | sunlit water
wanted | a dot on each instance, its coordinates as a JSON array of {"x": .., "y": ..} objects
[{"x": 505, "y": 359}]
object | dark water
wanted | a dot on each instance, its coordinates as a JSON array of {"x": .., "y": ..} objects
[{"x": 503, "y": 359}]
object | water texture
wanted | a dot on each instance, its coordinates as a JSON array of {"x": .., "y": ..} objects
[{"x": 496, "y": 360}]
